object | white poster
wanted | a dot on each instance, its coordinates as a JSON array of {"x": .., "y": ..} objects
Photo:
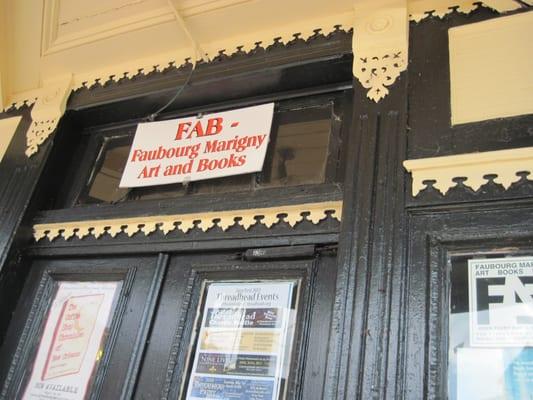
[
  {"x": 242, "y": 342},
  {"x": 191, "y": 149},
  {"x": 71, "y": 341},
  {"x": 501, "y": 302}
]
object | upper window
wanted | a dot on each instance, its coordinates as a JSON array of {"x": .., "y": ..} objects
[{"x": 304, "y": 149}]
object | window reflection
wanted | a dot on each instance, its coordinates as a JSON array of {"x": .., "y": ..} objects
[
  {"x": 105, "y": 183},
  {"x": 301, "y": 153}
]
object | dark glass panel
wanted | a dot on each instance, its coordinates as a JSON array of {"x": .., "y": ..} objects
[
  {"x": 108, "y": 171},
  {"x": 300, "y": 154}
]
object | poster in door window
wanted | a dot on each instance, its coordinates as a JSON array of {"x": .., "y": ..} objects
[
  {"x": 501, "y": 302},
  {"x": 244, "y": 336},
  {"x": 72, "y": 340}
]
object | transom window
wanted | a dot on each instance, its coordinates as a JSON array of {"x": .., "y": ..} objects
[{"x": 304, "y": 149}]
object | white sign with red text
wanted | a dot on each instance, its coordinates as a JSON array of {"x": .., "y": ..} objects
[
  {"x": 192, "y": 149},
  {"x": 72, "y": 341}
]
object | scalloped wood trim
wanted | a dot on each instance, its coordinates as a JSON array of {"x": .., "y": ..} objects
[
  {"x": 313, "y": 212},
  {"x": 421, "y": 9},
  {"x": 475, "y": 166}
]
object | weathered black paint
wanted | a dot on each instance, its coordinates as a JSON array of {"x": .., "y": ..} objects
[{"x": 377, "y": 316}]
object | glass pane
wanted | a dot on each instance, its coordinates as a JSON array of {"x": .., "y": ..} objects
[
  {"x": 72, "y": 342},
  {"x": 104, "y": 186},
  {"x": 244, "y": 340},
  {"x": 491, "y": 329},
  {"x": 301, "y": 150}
]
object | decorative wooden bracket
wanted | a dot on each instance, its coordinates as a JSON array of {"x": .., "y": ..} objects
[
  {"x": 441, "y": 171},
  {"x": 46, "y": 113},
  {"x": 380, "y": 43}
]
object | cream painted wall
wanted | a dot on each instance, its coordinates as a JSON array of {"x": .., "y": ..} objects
[
  {"x": 4, "y": 90},
  {"x": 23, "y": 22},
  {"x": 491, "y": 69},
  {"x": 8, "y": 127}
]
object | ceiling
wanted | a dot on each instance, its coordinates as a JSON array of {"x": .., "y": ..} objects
[
  {"x": 43, "y": 40},
  {"x": 49, "y": 38}
]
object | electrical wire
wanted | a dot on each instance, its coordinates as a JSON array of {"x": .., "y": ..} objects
[{"x": 153, "y": 116}]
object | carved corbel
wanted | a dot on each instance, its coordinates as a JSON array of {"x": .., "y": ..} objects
[
  {"x": 46, "y": 113},
  {"x": 380, "y": 44}
]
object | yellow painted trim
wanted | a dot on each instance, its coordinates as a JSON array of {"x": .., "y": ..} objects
[
  {"x": 293, "y": 214},
  {"x": 504, "y": 163},
  {"x": 8, "y": 127}
]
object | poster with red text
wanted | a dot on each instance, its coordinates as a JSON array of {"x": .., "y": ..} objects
[
  {"x": 196, "y": 148},
  {"x": 72, "y": 340}
]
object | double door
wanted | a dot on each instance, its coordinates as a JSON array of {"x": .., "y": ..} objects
[{"x": 241, "y": 325}]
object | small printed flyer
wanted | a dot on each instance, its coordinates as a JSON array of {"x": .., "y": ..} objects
[
  {"x": 242, "y": 342},
  {"x": 71, "y": 340},
  {"x": 501, "y": 302}
]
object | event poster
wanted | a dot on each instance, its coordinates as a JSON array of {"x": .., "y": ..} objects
[
  {"x": 244, "y": 337},
  {"x": 501, "y": 302},
  {"x": 71, "y": 341},
  {"x": 196, "y": 148}
]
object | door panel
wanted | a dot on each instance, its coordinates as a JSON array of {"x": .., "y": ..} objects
[
  {"x": 168, "y": 359},
  {"x": 147, "y": 353},
  {"x": 117, "y": 356},
  {"x": 440, "y": 246}
]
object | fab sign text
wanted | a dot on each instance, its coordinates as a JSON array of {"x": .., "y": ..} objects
[{"x": 228, "y": 143}]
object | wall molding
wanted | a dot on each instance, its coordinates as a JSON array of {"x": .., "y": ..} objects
[
  {"x": 53, "y": 42},
  {"x": 477, "y": 168},
  {"x": 292, "y": 214}
]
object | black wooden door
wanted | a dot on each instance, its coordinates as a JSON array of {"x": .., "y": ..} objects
[
  {"x": 135, "y": 283},
  {"x": 147, "y": 346}
]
